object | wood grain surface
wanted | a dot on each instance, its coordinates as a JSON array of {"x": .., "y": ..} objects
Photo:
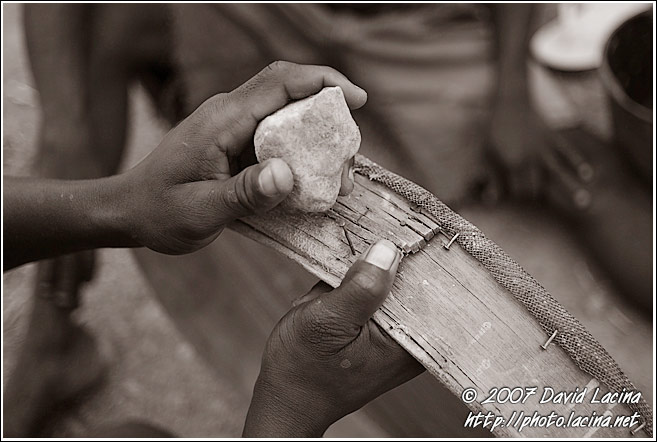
[{"x": 444, "y": 308}]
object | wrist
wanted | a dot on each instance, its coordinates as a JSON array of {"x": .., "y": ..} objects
[
  {"x": 512, "y": 88},
  {"x": 278, "y": 409},
  {"x": 112, "y": 213}
]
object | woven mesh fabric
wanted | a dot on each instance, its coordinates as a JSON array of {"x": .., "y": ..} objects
[{"x": 580, "y": 345}]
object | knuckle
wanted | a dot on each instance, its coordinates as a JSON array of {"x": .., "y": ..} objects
[
  {"x": 322, "y": 329},
  {"x": 226, "y": 113},
  {"x": 207, "y": 110},
  {"x": 315, "y": 332},
  {"x": 228, "y": 199},
  {"x": 366, "y": 283},
  {"x": 313, "y": 325},
  {"x": 212, "y": 122},
  {"x": 239, "y": 194},
  {"x": 187, "y": 218},
  {"x": 226, "y": 139},
  {"x": 216, "y": 103},
  {"x": 280, "y": 67}
]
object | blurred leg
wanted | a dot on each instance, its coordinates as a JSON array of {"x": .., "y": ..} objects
[
  {"x": 83, "y": 58},
  {"x": 130, "y": 41},
  {"x": 58, "y": 48},
  {"x": 58, "y": 362}
]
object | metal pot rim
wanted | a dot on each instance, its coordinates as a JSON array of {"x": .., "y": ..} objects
[{"x": 613, "y": 87}]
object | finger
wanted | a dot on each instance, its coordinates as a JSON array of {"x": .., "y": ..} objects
[
  {"x": 365, "y": 286},
  {"x": 319, "y": 289},
  {"x": 281, "y": 82},
  {"x": 347, "y": 185},
  {"x": 269, "y": 90},
  {"x": 563, "y": 189},
  {"x": 256, "y": 189},
  {"x": 489, "y": 188},
  {"x": 46, "y": 270},
  {"x": 67, "y": 281},
  {"x": 573, "y": 158},
  {"x": 87, "y": 263},
  {"x": 495, "y": 184}
]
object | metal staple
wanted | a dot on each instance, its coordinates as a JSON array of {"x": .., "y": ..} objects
[{"x": 578, "y": 343}]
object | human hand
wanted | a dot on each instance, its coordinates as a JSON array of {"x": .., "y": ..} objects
[
  {"x": 532, "y": 161},
  {"x": 195, "y": 182},
  {"x": 569, "y": 174},
  {"x": 326, "y": 358},
  {"x": 532, "y": 157},
  {"x": 62, "y": 277}
]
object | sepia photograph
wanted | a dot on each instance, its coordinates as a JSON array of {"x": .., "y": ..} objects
[{"x": 328, "y": 220}]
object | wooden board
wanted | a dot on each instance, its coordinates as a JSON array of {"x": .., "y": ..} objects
[
  {"x": 226, "y": 298},
  {"x": 444, "y": 308}
]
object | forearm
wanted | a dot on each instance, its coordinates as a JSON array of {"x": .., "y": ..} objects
[
  {"x": 45, "y": 218},
  {"x": 512, "y": 33}
]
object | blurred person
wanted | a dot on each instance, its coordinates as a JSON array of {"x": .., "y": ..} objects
[
  {"x": 83, "y": 59},
  {"x": 432, "y": 60},
  {"x": 319, "y": 361},
  {"x": 449, "y": 101},
  {"x": 449, "y": 108}
]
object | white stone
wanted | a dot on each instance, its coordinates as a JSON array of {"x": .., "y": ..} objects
[{"x": 314, "y": 136}]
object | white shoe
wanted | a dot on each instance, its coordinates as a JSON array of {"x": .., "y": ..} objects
[{"x": 576, "y": 39}]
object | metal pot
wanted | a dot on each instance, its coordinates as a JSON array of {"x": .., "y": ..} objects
[{"x": 627, "y": 76}]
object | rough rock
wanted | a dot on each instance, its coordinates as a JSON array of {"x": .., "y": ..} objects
[{"x": 314, "y": 136}]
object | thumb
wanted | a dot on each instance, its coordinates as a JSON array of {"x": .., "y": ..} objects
[
  {"x": 257, "y": 188},
  {"x": 365, "y": 286}
]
